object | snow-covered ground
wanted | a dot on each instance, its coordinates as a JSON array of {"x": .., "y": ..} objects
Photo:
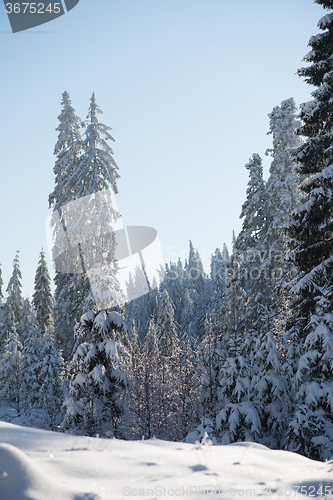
[{"x": 42, "y": 465}]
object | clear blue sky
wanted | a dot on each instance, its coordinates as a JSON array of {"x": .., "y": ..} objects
[{"x": 186, "y": 86}]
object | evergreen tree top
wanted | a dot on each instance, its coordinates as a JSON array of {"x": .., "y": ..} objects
[
  {"x": 150, "y": 343},
  {"x": 97, "y": 169},
  {"x": 42, "y": 298},
  {"x": 14, "y": 289},
  {"x": 283, "y": 124},
  {"x": 253, "y": 209},
  {"x": 67, "y": 149},
  {"x": 15, "y": 280},
  {"x": 166, "y": 329},
  {"x": 326, "y": 4}
]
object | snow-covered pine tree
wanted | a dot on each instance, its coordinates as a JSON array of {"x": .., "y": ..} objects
[
  {"x": 153, "y": 298},
  {"x": 166, "y": 376},
  {"x": 202, "y": 307},
  {"x": 194, "y": 272},
  {"x": 281, "y": 186},
  {"x": 130, "y": 296},
  {"x": 92, "y": 218},
  {"x": 271, "y": 397},
  {"x": 210, "y": 358},
  {"x": 173, "y": 283},
  {"x": 139, "y": 308},
  {"x": 176, "y": 289},
  {"x": 166, "y": 328},
  {"x": 88, "y": 220},
  {"x": 42, "y": 298},
  {"x": 7, "y": 325},
  {"x": 282, "y": 196},
  {"x": 218, "y": 280},
  {"x": 310, "y": 230},
  {"x": 310, "y": 431},
  {"x": 151, "y": 341},
  {"x": 97, "y": 376},
  {"x": 231, "y": 318},
  {"x": 70, "y": 288},
  {"x": 31, "y": 366},
  {"x": 143, "y": 375},
  {"x": 253, "y": 209},
  {"x": 187, "y": 318},
  {"x": 311, "y": 222},
  {"x": 14, "y": 287},
  {"x": 195, "y": 280},
  {"x": 234, "y": 417},
  {"x": 11, "y": 370},
  {"x": 68, "y": 150},
  {"x": 96, "y": 170},
  {"x": 249, "y": 252},
  {"x": 52, "y": 385},
  {"x": 187, "y": 386},
  {"x": 238, "y": 419},
  {"x": 28, "y": 320}
]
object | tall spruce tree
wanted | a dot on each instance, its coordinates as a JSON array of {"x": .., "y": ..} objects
[
  {"x": 250, "y": 254},
  {"x": 211, "y": 356},
  {"x": 68, "y": 150},
  {"x": 28, "y": 320},
  {"x": 42, "y": 298},
  {"x": 139, "y": 309},
  {"x": 218, "y": 280},
  {"x": 310, "y": 430},
  {"x": 310, "y": 230},
  {"x": 86, "y": 219},
  {"x": 311, "y": 224},
  {"x": 11, "y": 371},
  {"x": 281, "y": 187},
  {"x": 91, "y": 220},
  {"x": 97, "y": 378},
  {"x": 271, "y": 397},
  {"x": 51, "y": 384},
  {"x": 238, "y": 419},
  {"x": 166, "y": 328},
  {"x": 31, "y": 366},
  {"x": 70, "y": 285},
  {"x": 195, "y": 280},
  {"x": 282, "y": 196},
  {"x": 187, "y": 385},
  {"x": 143, "y": 373},
  {"x": 14, "y": 288},
  {"x": 7, "y": 325}
]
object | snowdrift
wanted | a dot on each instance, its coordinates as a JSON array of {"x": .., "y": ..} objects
[{"x": 42, "y": 465}]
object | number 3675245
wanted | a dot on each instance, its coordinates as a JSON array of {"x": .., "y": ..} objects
[{"x": 33, "y": 8}]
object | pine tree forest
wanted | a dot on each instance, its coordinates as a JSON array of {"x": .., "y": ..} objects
[{"x": 243, "y": 352}]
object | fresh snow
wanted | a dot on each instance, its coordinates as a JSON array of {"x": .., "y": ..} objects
[
  {"x": 325, "y": 21},
  {"x": 43, "y": 465}
]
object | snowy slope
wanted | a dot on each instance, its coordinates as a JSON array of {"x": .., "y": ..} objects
[{"x": 41, "y": 465}]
